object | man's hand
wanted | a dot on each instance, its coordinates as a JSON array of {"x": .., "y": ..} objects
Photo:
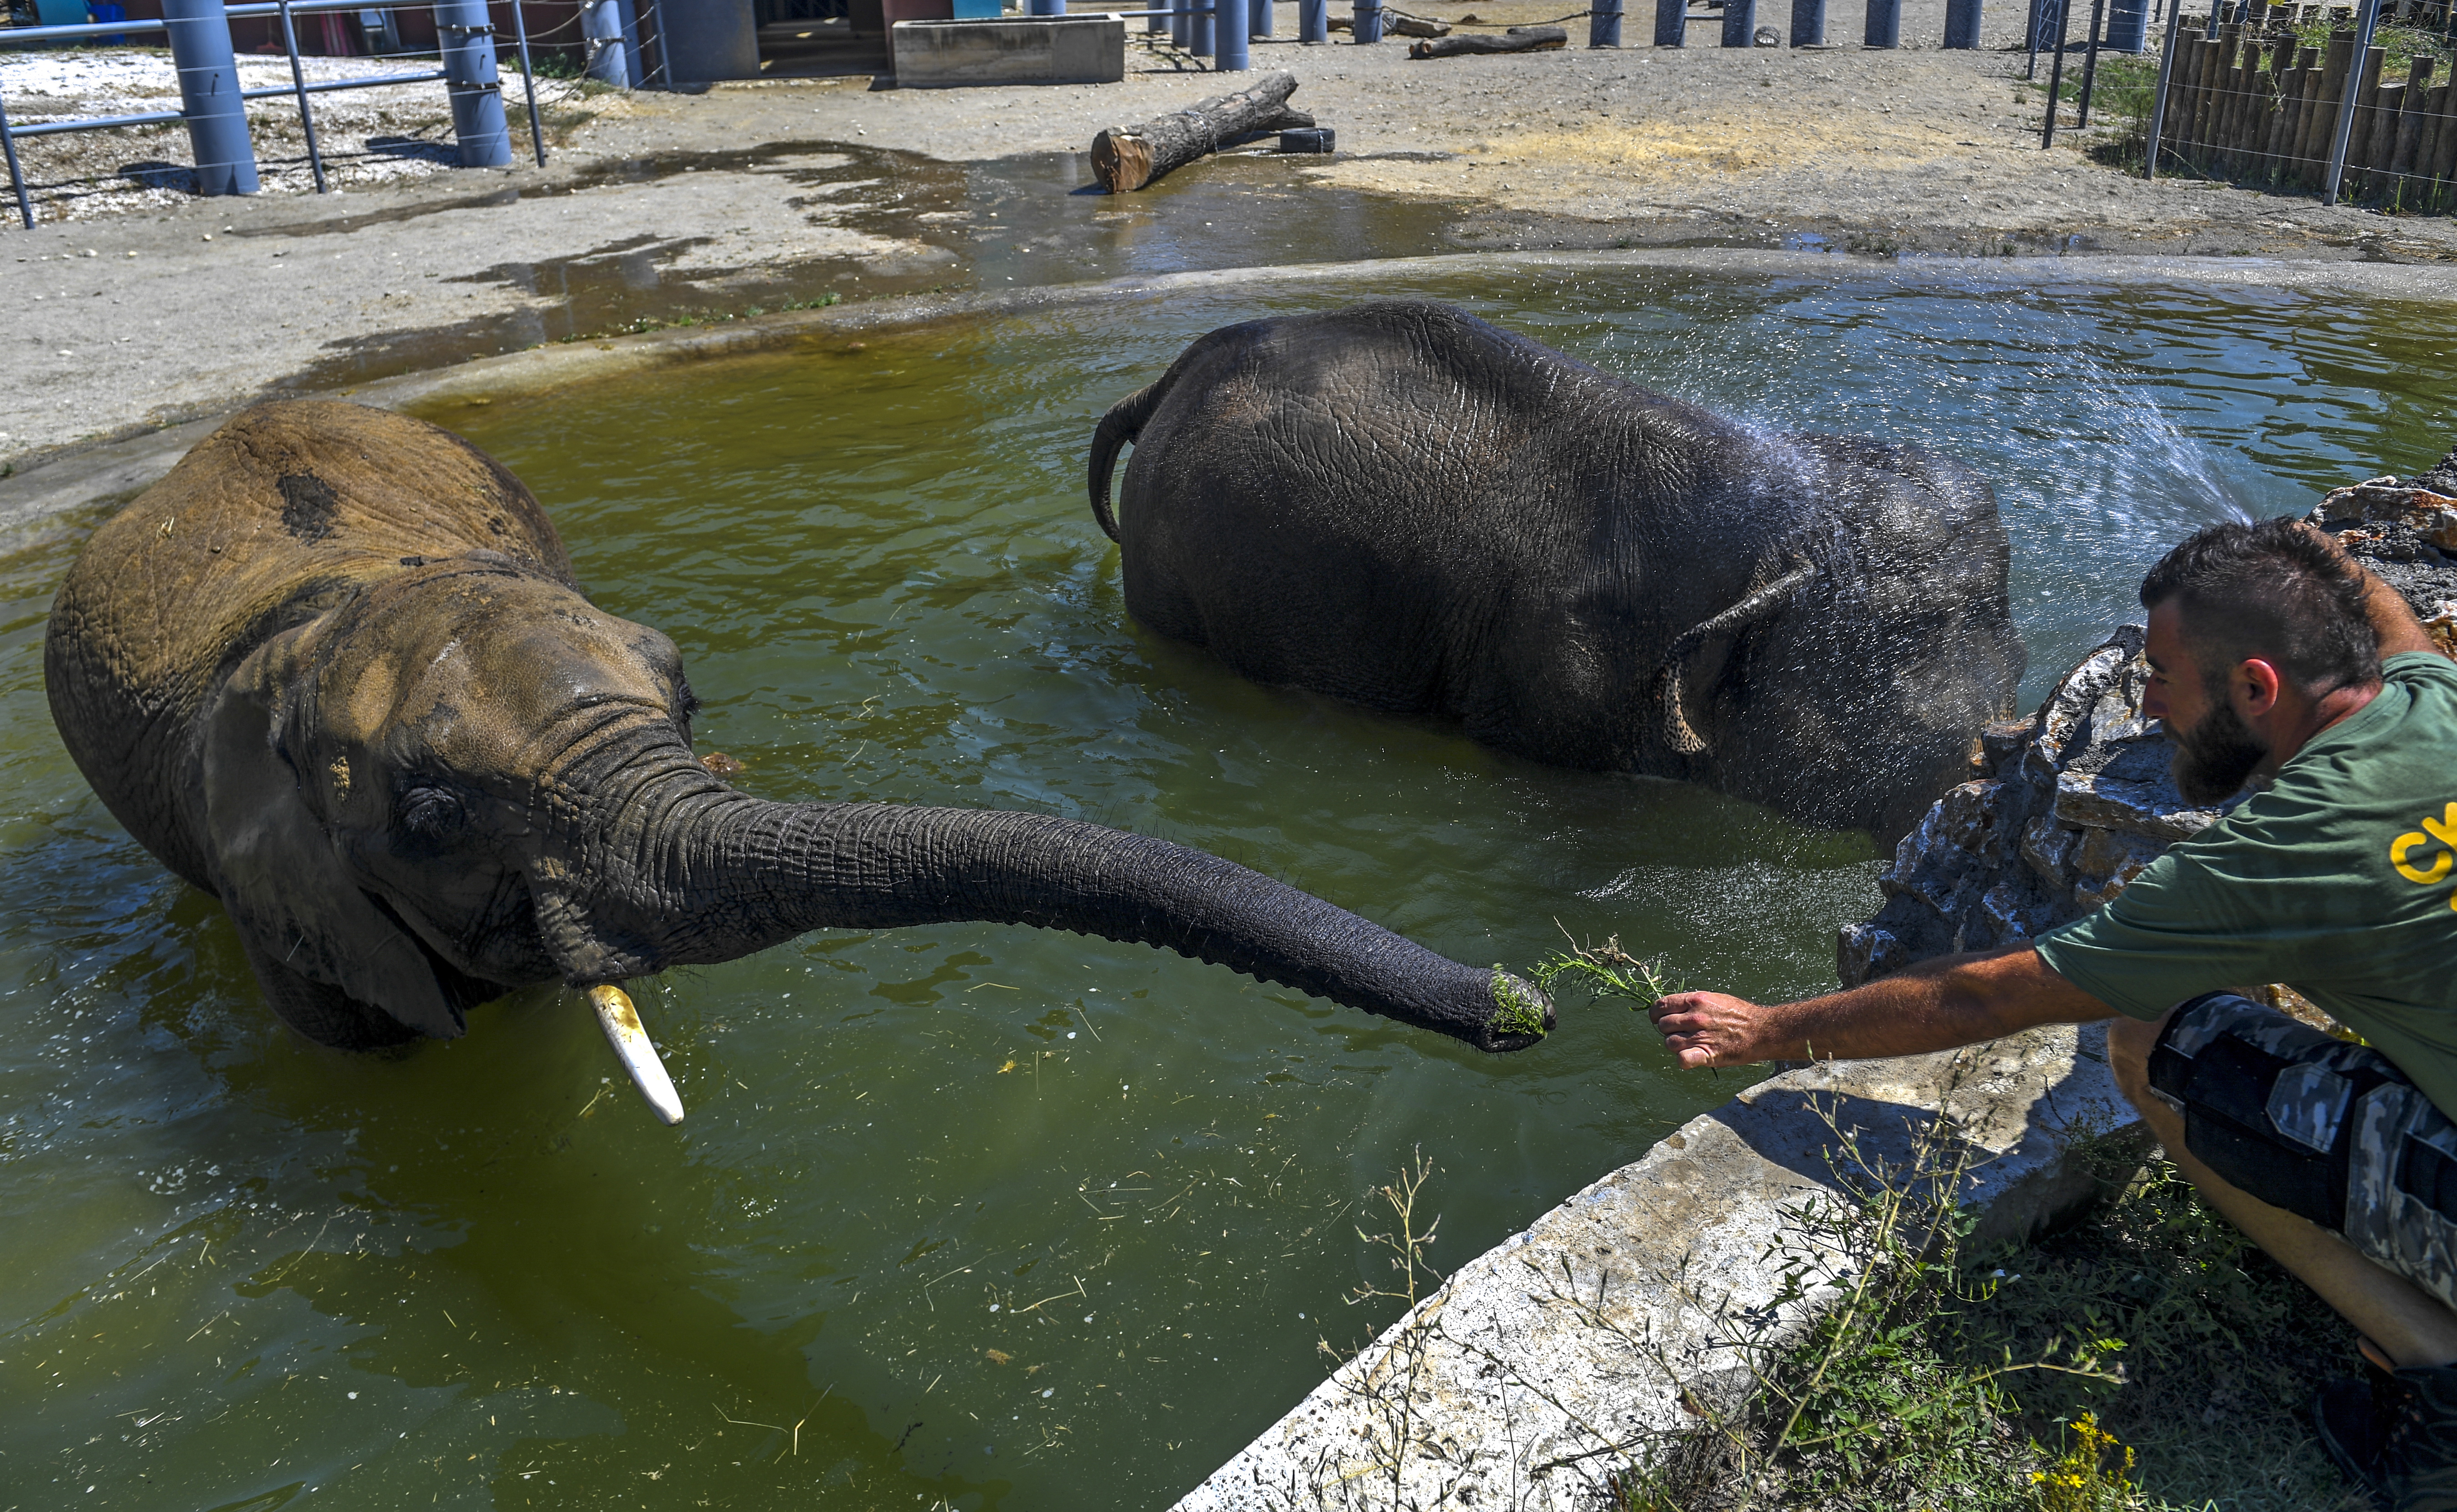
[
  {"x": 1936, "y": 1005},
  {"x": 1713, "y": 1028}
]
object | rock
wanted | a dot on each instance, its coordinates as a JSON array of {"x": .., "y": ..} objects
[
  {"x": 2443, "y": 477},
  {"x": 2104, "y": 801}
]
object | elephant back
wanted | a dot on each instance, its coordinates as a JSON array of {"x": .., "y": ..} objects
[{"x": 284, "y": 512}]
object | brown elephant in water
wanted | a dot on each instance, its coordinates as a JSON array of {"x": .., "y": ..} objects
[{"x": 335, "y": 670}]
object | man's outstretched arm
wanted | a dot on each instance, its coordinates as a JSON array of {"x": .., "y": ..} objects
[{"x": 1936, "y": 1005}]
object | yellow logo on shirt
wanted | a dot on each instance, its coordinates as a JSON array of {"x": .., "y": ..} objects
[{"x": 2443, "y": 830}]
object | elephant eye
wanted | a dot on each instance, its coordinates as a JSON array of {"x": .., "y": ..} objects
[{"x": 430, "y": 811}]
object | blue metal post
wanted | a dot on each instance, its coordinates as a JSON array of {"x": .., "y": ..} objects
[
  {"x": 1603, "y": 24},
  {"x": 1202, "y": 35},
  {"x": 1258, "y": 18},
  {"x": 1885, "y": 24},
  {"x": 1809, "y": 23},
  {"x": 612, "y": 30},
  {"x": 1229, "y": 33},
  {"x": 1048, "y": 8},
  {"x": 2128, "y": 25},
  {"x": 299, "y": 84},
  {"x": 16, "y": 177},
  {"x": 1671, "y": 23},
  {"x": 1740, "y": 23},
  {"x": 1367, "y": 20},
  {"x": 1962, "y": 24},
  {"x": 1180, "y": 24},
  {"x": 470, "y": 80},
  {"x": 201, "y": 49},
  {"x": 1313, "y": 20},
  {"x": 2366, "y": 21},
  {"x": 2089, "y": 60},
  {"x": 528, "y": 80}
]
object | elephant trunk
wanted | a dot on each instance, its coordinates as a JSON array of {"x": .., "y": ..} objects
[{"x": 708, "y": 875}]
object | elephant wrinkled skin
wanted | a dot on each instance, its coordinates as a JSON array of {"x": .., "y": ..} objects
[
  {"x": 1403, "y": 506},
  {"x": 335, "y": 670}
]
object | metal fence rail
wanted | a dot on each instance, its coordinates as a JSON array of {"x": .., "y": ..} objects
[
  {"x": 216, "y": 121},
  {"x": 2257, "y": 95}
]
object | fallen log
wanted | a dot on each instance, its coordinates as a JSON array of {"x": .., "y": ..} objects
[
  {"x": 1125, "y": 158},
  {"x": 1518, "y": 39},
  {"x": 1284, "y": 121},
  {"x": 1401, "y": 23}
]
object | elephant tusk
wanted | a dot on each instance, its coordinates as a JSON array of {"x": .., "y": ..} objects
[{"x": 621, "y": 1022}]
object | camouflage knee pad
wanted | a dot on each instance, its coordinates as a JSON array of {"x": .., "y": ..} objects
[{"x": 2326, "y": 1129}]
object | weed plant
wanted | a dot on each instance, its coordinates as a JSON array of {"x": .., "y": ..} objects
[{"x": 2148, "y": 1360}]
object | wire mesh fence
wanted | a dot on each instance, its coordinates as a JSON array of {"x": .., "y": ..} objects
[
  {"x": 87, "y": 129},
  {"x": 2352, "y": 105}
]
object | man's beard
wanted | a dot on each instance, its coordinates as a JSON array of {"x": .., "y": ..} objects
[{"x": 2216, "y": 757}]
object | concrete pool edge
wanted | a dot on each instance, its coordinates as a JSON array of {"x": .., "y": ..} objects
[
  {"x": 1568, "y": 1352},
  {"x": 67, "y": 479}
]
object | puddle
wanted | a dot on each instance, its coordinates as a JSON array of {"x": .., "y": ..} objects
[{"x": 1014, "y": 222}]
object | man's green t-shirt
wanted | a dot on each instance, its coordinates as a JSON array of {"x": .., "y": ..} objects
[{"x": 2339, "y": 881}]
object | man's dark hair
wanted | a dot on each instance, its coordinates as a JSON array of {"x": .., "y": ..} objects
[{"x": 2273, "y": 590}]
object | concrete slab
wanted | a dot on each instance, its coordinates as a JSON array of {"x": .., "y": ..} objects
[
  {"x": 1566, "y": 1353},
  {"x": 1012, "y": 49}
]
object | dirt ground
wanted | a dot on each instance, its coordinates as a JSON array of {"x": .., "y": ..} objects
[{"x": 133, "y": 303}]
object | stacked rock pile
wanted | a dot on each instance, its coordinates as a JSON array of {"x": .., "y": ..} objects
[{"x": 2070, "y": 804}]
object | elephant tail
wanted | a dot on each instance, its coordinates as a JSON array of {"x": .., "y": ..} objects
[{"x": 1124, "y": 422}]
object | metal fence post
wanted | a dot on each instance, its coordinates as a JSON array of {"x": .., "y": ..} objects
[
  {"x": 1603, "y": 24},
  {"x": 1313, "y": 20},
  {"x": 529, "y": 82},
  {"x": 1885, "y": 24},
  {"x": 1200, "y": 29},
  {"x": 1230, "y": 36},
  {"x": 2365, "y": 22},
  {"x": 1365, "y": 20},
  {"x": 1740, "y": 23},
  {"x": 2158, "y": 101},
  {"x": 2090, "y": 62},
  {"x": 1962, "y": 24},
  {"x": 201, "y": 49},
  {"x": 1809, "y": 23},
  {"x": 1258, "y": 18},
  {"x": 298, "y": 82},
  {"x": 16, "y": 179},
  {"x": 2056, "y": 75},
  {"x": 1671, "y": 23},
  {"x": 471, "y": 79}
]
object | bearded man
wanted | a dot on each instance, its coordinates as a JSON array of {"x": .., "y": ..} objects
[{"x": 2278, "y": 660}]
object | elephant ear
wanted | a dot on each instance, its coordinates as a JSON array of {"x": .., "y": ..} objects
[
  {"x": 334, "y": 962},
  {"x": 1694, "y": 662}
]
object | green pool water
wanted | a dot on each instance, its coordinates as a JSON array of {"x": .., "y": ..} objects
[{"x": 969, "y": 1215}]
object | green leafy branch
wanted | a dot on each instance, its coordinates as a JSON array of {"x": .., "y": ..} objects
[{"x": 1607, "y": 971}]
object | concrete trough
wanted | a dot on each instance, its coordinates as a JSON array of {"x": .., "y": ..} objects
[{"x": 1012, "y": 49}]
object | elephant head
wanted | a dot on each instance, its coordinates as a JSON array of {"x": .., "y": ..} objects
[
  {"x": 1883, "y": 620},
  {"x": 418, "y": 779}
]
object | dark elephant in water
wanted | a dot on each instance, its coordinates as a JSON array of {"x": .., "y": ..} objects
[
  {"x": 335, "y": 670},
  {"x": 1403, "y": 506}
]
